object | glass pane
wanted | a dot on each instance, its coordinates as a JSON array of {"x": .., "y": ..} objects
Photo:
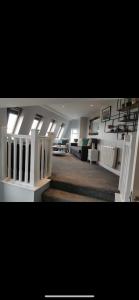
[
  {"x": 11, "y": 123},
  {"x": 50, "y": 125},
  {"x": 62, "y": 130},
  {"x": 34, "y": 124},
  {"x": 40, "y": 125},
  {"x": 59, "y": 132},
  {"x": 74, "y": 130},
  {"x": 19, "y": 125},
  {"x": 74, "y": 134},
  {"x": 53, "y": 127}
]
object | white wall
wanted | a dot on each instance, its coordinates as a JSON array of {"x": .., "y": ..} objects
[
  {"x": 73, "y": 124},
  {"x": 3, "y": 117},
  {"x": 83, "y": 127},
  {"x": 109, "y": 139}
]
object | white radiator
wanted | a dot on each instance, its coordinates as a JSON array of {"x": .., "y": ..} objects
[{"x": 108, "y": 156}]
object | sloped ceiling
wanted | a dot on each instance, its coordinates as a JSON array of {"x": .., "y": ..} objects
[{"x": 71, "y": 108}]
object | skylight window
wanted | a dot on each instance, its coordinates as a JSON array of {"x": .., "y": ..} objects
[
  {"x": 12, "y": 119},
  {"x": 51, "y": 127},
  {"x": 34, "y": 124},
  {"x": 37, "y": 124},
  {"x": 19, "y": 123},
  {"x": 57, "y": 136},
  {"x": 40, "y": 126},
  {"x": 60, "y": 131}
]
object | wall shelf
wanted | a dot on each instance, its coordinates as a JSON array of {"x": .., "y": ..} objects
[
  {"x": 130, "y": 107},
  {"x": 124, "y": 115}
]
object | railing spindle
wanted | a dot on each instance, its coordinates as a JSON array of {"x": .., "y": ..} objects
[
  {"x": 34, "y": 170},
  {"x": 46, "y": 152},
  {"x": 49, "y": 156},
  {"x": 9, "y": 158},
  {"x": 20, "y": 159},
  {"x": 42, "y": 158},
  {"x": 15, "y": 158},
  {"x": 26, "y": 160},
  {"x": 3, "y": 150}
]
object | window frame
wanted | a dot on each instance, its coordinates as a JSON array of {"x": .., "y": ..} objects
[{"x": 72, "y": 134}]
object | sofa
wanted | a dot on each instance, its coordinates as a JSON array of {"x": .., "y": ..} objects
[
  {"x": 81, "y": 151},
  {"x": 61, "y": 141}
]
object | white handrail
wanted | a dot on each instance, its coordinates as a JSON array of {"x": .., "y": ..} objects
[{"x": 15, "y": 136}]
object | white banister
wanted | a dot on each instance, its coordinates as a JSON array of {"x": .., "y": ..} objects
[{"x": 35, "y": 150}]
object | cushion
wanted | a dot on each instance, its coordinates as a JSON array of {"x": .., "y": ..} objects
[
  {"x": 85, "y": 142},
  {"x": 89, "y": 143},
  {"x": 59, "y": 142},
  {"x": 65, "y": 141}
]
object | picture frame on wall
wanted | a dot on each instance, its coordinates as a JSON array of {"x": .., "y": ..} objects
[
  {"x": 106, "y": 114},
  {"x": 94, "y": 126}
]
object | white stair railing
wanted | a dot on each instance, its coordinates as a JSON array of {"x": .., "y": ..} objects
[{"x": 25, "y": 159}]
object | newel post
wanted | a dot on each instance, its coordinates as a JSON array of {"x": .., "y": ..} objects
[
  {"x": 51, "y": 137},
  {"x": 34, "y": 170},
  {"x": 3, "y": 153}
]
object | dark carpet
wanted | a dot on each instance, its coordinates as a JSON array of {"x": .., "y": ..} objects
[{"x": 70, "y": 169}]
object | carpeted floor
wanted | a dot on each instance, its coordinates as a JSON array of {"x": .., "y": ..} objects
[{"x": 70, "y": 169}]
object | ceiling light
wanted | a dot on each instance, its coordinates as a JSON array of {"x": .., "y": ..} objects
[{"x": 91, "y": 105}]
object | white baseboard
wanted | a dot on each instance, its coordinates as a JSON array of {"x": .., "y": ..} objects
[{"x": 117, "y": 172}]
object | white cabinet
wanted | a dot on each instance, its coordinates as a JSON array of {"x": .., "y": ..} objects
[{"x": 92, "y": 155}]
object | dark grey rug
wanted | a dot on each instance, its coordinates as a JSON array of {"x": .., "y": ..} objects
[{"x": 71, "y": 170}]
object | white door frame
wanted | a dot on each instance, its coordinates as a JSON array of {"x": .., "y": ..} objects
[
  {"x": 128, "y": 154},
  {"x": 135, "y": 173}
]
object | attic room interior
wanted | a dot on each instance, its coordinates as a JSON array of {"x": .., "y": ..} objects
[{"x": 69, "y": 149}]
